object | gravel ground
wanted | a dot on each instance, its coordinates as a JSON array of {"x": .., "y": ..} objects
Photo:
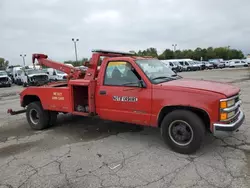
[{"x": 84, "y": 152}]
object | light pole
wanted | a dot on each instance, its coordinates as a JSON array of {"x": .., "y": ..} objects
[
  {"x": 75, "y": 40},
  {"x": 174, "y": 45},
  {"x": 228, "y": 48},
  {"x": 23, "y": 56}
]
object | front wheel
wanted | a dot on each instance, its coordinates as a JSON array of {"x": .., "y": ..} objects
[{"x": 183, "y": 131}]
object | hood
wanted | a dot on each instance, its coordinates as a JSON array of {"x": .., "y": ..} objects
[
  {"x": 4, "y": 76},
  {"x": 218, "y": 87},
  {"x": 38, "y": 74},
  {"x": 62, "y": 74}
]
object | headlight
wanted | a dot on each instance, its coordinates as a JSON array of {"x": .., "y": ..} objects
[{"x": 227, "y": 104}]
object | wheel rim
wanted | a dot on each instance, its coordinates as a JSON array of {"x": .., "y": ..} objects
[
  {"x": 180, "y": 132},
  {"x": 34, "y": 116}
]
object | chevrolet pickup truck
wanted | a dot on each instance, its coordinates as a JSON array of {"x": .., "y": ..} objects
[{"x": 138, "y": 90}]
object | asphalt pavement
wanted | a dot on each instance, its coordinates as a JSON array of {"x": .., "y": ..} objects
[{"x": 87, "y": 152}]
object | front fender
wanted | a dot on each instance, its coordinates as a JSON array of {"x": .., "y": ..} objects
[{"x": 203, "y": 100}]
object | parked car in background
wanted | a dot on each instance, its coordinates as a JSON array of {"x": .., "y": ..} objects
[
  {"x": 179, "y": 66},
  {"x": 171, "y": 65},
  {"x": 5, "y": 80},
  {"x": 69, "y": 64},
  {"x": 56, "y": 75},
  {"x": 17, "y": 71},
  {"x": 208, "y": 65},
  {"x": 217, "y": 63},
  {"x": 84, "y": 68},
  {"x": 237, "y": 63},
  {"x": 200, "y": 64},
  {"x": 34, "y": 77},
  {"x": 194, "y": 66}
]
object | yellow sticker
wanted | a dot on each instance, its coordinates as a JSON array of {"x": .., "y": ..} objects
[{"x": 115, "y": 63}]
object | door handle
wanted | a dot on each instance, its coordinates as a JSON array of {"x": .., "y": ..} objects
[{"x": 102, "y": 92}]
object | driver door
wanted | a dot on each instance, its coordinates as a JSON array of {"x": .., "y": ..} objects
[{"x": 120, "y": 97}]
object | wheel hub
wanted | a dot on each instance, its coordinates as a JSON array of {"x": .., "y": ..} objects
[
  {"x": 180, "y": 132},
  {"x": 34, "y": 116}
]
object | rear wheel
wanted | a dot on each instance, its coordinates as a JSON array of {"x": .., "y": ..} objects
[
  {"x": 37, "y": 117},
  {"x": 183, "y": 131}
]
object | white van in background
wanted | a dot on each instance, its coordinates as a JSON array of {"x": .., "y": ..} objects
[
  {"x": 237, "y": 63},
  {"x": 56, "y": 75},
  {"x": 17, "y": 71}
]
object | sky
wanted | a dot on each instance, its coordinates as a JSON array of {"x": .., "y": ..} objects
[{"x": 48, "y": 26}]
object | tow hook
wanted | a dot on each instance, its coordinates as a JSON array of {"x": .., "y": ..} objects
[{"x": 11, "y": 112}]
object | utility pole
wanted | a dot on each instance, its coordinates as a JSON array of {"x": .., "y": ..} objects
[
  {"x": 228, "y": 48},
  {"x": 23, "y": 56},
  {"x": 75, "y": 41},
  {"x": 174, "y": 45}
]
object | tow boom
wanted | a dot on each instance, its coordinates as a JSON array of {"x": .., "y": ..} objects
[{"x": 73, "y": 73}]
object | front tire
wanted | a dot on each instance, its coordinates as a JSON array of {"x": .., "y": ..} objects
[
  {"x": 183, "y": 131},
  {"x": 37, "y": 117}
]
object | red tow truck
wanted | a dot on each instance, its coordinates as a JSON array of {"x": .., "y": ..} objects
[{"x": 137, "y": 90}]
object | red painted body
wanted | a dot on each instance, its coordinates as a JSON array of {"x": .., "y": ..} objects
[{"x": 85, "y": 90}]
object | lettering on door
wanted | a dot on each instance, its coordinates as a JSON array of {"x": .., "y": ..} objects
[{"x": 125, "y": 98}]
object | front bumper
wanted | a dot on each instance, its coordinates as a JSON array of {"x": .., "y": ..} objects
[
  {"x": 38, "y": 83},
  {"x": 229, "y": 127},
  {"x": 4, "y": 83}
]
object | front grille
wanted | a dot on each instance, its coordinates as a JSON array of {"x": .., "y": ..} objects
[
  {"x": 237, "y": 99},
  {"x": 39, "y": 78},
  {"x": 5, "y": 79}
]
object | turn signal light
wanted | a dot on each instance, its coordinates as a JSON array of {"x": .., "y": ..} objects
[{"x": 223, "y": 104}]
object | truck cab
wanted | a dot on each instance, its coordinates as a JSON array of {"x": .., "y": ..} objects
[{"x": 142, "y": 91}]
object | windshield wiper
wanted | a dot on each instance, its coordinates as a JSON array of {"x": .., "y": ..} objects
[
  {"x": 176, "y": 75},
  {"x": 163, "y": 77}
]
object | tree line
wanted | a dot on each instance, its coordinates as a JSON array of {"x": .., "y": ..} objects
[
  {"x": 3, "y": 63},
  {"x": 204, "y": 53}
]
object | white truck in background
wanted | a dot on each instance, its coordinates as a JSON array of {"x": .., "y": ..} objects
[
  {"x": 17, "y": 71},
  {"x": 56, "y": 75},
  {"x": 34, "y": 77}
]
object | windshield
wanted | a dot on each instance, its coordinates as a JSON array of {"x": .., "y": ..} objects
[
  {"x": 3, "y": 73},
  {"x": 176, "y": 63},
  {"x": 34, "y": 71},
  {"x": 59, "y": 72},
  {"x": 156, "y": 70}
]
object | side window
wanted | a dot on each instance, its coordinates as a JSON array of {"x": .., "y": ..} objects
[
  {"x": 121, "y": 73},
  {"x": 171, "y": 64},
  {"x": 186, "y": 63},
  {"x": 236, "y": 62},
  {"x": 181, "y": 62}
]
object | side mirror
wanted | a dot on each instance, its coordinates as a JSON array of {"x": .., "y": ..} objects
[{"x": 141, "y": 84}]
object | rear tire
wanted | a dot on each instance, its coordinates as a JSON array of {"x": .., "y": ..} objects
[
  {"x": 37, "y": 117},
  {"x": 183, "y": 131}
]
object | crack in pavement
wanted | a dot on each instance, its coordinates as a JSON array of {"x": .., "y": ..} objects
[{"x": 40, "y": 167}]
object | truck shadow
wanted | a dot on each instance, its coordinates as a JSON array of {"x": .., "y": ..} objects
[
  {"x": 87, "y": 128},
  {"x": 75, "y": 129}
]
